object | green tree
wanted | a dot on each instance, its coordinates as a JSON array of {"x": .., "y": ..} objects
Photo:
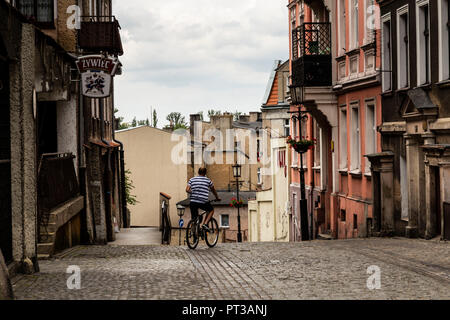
[
  {"x": 131, "y": 199},
  {"x": 155, "y": 119},
  {"x": 212, "y": 113},
  {"x": 236, "y": 115},
  {"x": 147, "y": 122},
  {"x": 177, "y": 121},
  {"x": 134, "y": 123},
  {"x": 121, "y": 125}
]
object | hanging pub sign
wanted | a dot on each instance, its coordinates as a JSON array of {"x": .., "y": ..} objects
[{"x": 96, "y": 74}]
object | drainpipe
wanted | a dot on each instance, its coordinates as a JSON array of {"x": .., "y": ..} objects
[
  {"x": 123, "y": 196},
  {"x": 108, "y": 177}
]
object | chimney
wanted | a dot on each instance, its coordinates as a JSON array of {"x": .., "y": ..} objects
[
  {"x": 244, "y": 118},
  {"x": 255, "y": 116},
  {"x": 193, "y": 119}
]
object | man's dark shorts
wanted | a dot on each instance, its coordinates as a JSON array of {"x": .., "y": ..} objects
[{"x": 204, "y": 206}]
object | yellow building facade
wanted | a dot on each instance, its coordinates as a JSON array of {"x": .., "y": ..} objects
[{"x": 155, "y": 168}]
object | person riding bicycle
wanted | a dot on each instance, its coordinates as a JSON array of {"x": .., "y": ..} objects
[{"x": 199, "y": 188}]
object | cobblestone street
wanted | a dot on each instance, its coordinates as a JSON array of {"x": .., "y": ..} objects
[{"x": 410, "y": 269}]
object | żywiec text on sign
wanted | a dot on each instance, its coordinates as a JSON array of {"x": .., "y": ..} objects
[{"x": 96, "y": 74}]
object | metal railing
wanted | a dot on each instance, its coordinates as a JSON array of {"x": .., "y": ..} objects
[
  {"x": 311, "y": 39},
  {"x": 57, "y": 183},
  {"x": 166, "y": 225},
  {"x": 100, "y": 33}
]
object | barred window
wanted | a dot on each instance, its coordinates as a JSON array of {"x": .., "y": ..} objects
[{"x": 38, "y": 10}]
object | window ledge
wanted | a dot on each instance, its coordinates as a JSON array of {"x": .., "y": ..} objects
[
  {"x": 353, "y": 52},
  {"x": 402, "y": 90},
  {"x": 425, "y": 86},
  {"x": 223, "y": 227},
  {"x": 343, "y": 171},
  {"x": 387, "y": 93},
  {"x": 356, "y": 173},
  {"x": 368, "y": 45},
  {"x": 317, "y": 168},
  {"x": 368, "y": 175},
  {"x": 444, "y": 83},
  {"x": 342, "y": 57}
]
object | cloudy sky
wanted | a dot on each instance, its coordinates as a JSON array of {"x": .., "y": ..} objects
[{"x": 193, "y": 55}]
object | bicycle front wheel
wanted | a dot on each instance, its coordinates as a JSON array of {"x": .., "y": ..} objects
[
  {"x": 192, "y": 236},
  {"x": 212, "y": 237}
]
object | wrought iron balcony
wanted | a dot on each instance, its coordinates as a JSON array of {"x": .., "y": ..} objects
[
  {"x": 100, "y": 34},
  {"x": 311, "y": 55}
]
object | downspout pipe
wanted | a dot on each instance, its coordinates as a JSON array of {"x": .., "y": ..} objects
[
  {"x": 108, "y": 177},
  {"x": 123, "y": 196}
]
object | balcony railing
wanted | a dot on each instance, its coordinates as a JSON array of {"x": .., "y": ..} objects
[
  {"x": 311, "y": 55},
  {"x": 57, "y": 183},
  {"x": 100, "y": 34}
]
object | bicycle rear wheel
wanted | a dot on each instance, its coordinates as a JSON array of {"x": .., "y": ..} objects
[
  {"x": 192, "y": 236},
  {"x": 212, "y": 237}
]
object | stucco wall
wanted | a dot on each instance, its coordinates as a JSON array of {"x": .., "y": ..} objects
[
  {"x": 148, "y": 155},
  {"x": 23, "y": 153}
]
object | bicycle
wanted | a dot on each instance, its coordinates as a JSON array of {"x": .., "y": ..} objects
[{"x": 194, "y": 232}]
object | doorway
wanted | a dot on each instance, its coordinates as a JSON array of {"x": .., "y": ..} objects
[
  {"x": 435, "y": 196},
  {"x": 5, "y": 159},
  {"x": 376, "y": 224},
  {"x": 47, "y": 131}
]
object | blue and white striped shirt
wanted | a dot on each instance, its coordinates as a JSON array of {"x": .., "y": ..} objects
[{"x": 200, "y": 187}]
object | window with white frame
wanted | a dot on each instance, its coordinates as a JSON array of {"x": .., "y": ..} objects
[
  {"x": 342, "y": 72},
  {"x": 342, "y": 27},
  {"x": 287, "y": 127},
  {"x": 423, "y": 42},
  {"x": 259, "y": 175},
  {"x": 369, "y": 59},
  {"x": 224, "y": 220},
  {"x": 354, "y": 24},
  {"x": 354, "y": 64},
  {"x": 301, "y": 14},
  {"x": 403, "y": 47},
  {"x": 293, "y": 26},
  {"x": 355, "y": 155},
  {"x": 369, "y": 35},
  {"x": 318, "y": 146},
  {"x": 343, "y": 138},
  {"x": 371, "y": 130},
  {"x": 444, "y": 43},
  {"x": 386, "y": 53},
  {"x": 295, "y": 135}
]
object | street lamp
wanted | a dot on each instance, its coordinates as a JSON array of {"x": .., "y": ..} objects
[
  {"x": 297, "y": 95},
  {"x": 237, "y": 168},
  {"x": 180, "y": 210}
]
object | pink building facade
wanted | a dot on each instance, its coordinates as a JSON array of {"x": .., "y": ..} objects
[{"x": 343, "y": 112}]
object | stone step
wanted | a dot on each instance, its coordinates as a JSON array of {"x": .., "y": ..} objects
[
  {"x": 43, "y": 256},
  {"x": 45, "y": 248},
  {"x": 49, "y": 227},
  {"x": 46, "y": 237},
  {"x": 324, "y": 236}
]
